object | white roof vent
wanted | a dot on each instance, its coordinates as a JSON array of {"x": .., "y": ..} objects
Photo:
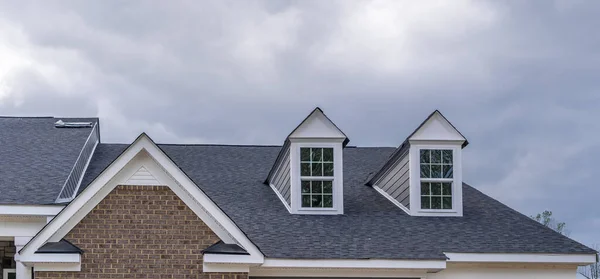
[{"x": 62, "y": 124}]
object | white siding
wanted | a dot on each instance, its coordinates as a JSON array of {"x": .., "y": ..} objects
[{"x": 503, "y": 273}]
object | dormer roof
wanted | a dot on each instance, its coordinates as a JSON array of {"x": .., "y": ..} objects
[
  {"x": 316, "y": 123},
  {"x": 427, "y": 130}
]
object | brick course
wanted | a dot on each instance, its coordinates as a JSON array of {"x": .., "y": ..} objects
[{"x": 141, "y": 232}]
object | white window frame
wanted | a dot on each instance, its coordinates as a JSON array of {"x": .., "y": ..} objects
[
  {"x": 296, "y": 178},
  {"x": 6, "y": 271},
  {"x": 436, "y": 180},
  {"x": 415, "y": 178}
]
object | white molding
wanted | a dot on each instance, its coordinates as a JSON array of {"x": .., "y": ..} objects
[
  {"x": 230, "y": 259},
  {"x": 36, "y": 210},
  {"x": 371, "y": 263},
  {"x": 57, "y": 267},
  {"x": 336, "y": 272},
  {"x": 118, "y": 171},
  {"x": 436, "y": 128},
  {"x": 50, "y": 258},
  {"x": 287, "y": 206},
  {"x": 390, "y": 198},
  {"x": 6, "y": 271},
  {"x": 521, "y": 258},
  {"x": 208, "y": 267}
]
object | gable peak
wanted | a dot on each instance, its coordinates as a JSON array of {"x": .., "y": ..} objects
[{"x": 436, "y": 127}]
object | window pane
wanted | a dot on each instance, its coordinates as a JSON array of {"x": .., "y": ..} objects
[
  {"x": 448, "y": 171},
  {"x": 447, "y": 189},
  {"x": 328, "y": 154},
  {"x": 425, "y": 188},
  {"x": 447, "y": 203},
  {"x": 327, "y": 201},
  {"x": 316, "y": 154},
  {"x": 436, "y": 171},
  {"x": 327, "y": 187},
  {"x": 436, "y": 188},
  {"x": 317, "y": 169},
  {"x": 327, "y": 169},
  {"x": 425, "y": 172},
  {"x": 317, "y": 201},
  {"x": 447, "y": 157},
  {"x": 425, "y": 202},
  {"x": 305, "y": 200},
  {"x": 424, "y": 156},
  {"x": 304, "y": 154},
  {"x": 316, "y": 187},
  {"x": 304, "y": 169},
  {"x": 305, "y": 186},
  {"x": 436, "y": 156},
  {"x": 436, "y": 203}
]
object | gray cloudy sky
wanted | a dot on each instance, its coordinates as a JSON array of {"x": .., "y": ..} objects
[{"x": 521, "y": 79}]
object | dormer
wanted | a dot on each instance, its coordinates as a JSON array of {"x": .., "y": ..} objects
[
  {"x": 308, "y": 173},
  {"x": 424, "y": 175}
]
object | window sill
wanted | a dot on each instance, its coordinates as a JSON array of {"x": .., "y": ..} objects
[
  {"x": 316, "y": 209},
  {"x": 437, "y": 211}
]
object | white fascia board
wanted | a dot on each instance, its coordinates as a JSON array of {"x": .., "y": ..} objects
[
  {"x": 230, "y": 259},
  {"x": 212, "y": 267},
  {"x": 57, "y": 267},
  {"x": 582, "y": 259},
  {"x": 367, "y": 264},
  {"x": 51, "y": 258},
  {"x": 31, "y": 210}
]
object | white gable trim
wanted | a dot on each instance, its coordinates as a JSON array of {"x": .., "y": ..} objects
[
  {"x": 437, "y": 128},
  {"x": 27, "y": 210},
  {"x": 139, "y": 154},
  {"x": 317, "y": 125}
]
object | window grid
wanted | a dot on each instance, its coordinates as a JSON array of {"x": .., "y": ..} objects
[
  {"x": 316, "y": 177},
  {"x": 437, "y": 177},
  {"x": 317, "y": 194},
  {"x": 436, "y": 195}
]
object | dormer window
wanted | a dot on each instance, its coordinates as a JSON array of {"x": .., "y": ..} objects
[
  {"x": 423, "y": 176},
  {"x": 436, "y": 167},
  {"x": 308, "y": 173},
  {"x": 316, "y": 176}
]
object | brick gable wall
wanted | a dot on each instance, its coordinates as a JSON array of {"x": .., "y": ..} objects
[{"x": 141, "y": 232}]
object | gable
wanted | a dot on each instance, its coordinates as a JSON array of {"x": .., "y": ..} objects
[
  {"x": 317, "y": 125},
  {"x": 436, "y": 127},
  {"x": 143, "y": 155}
]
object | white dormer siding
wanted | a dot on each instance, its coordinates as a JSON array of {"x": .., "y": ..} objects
[
  {"x": 308, "y": 174},
  {"x": 424, "y": 176}
]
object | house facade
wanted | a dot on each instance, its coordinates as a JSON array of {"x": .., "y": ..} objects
[{"x": 72, "y": 206}]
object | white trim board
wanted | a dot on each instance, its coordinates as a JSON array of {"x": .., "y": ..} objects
[
  {"x": 28, "y": 210},
  {"x": 520, "y": 258},
  {"x": 144, "y": 152}
]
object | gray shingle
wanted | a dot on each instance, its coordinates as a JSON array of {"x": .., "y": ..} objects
[
  {"x": 36, "y": 157},
  {"x": 372, "y": 227}
]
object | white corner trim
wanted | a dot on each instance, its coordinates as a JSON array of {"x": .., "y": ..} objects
[
  {"x": 521, "y": 258},
  {"x": 117, "y": 172},
  {"x": 287, "y": 206},
  {"x": 368, "y": 264},
  {"x": 390, "y": 198},
  {"x": 35, "y": 210}
]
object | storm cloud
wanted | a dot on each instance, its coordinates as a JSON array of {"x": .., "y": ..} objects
[{"x": 520, "y": 79}]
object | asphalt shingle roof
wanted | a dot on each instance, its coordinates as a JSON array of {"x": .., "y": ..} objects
[
  {"x": 36, "y": 158},
  {"x": 371, "y": 227}
]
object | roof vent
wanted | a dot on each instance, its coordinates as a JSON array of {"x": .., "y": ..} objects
[{"x": 62, "y": 124}]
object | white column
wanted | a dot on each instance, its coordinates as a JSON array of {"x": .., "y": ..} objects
[{"x": 23, "y": 271}]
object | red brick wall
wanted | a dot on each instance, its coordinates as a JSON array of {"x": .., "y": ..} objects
[{"x": 141, "y": 232}]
